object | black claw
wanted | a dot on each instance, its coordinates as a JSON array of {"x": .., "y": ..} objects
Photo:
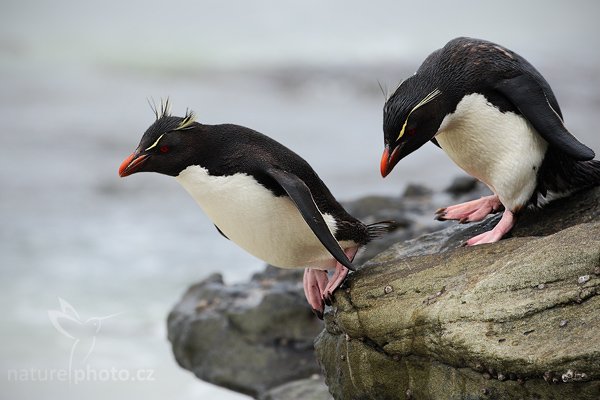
[
  {"x": 497, "y": 210},
  {"x": 318, "y": 313},
  {"x": 327, "y": 300}
]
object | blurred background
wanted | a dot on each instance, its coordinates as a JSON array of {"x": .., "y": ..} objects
[{"x": 91, "y": 264}]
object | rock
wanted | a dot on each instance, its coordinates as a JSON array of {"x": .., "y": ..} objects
[
  {"x": 413, "y": 211},
  {"x": 428, "y": 319},
  {"x": 461, "y": 185},
  {"x": 247, "y": 337},
  {"x": 313, "y": 388},
  {"x": 371, "y": 209},
  {"x": 416, "y": 190}
]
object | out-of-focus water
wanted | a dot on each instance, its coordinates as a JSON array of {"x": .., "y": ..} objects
[{"x": 74, "y": 79}]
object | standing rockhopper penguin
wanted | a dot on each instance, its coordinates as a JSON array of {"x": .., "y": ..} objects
[
  {"x": 260, "y": 195},
  {"x": 496, "y": 117}
]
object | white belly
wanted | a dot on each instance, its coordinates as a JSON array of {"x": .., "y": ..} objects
[
  {"x": 268, "y": 227},
  {"x": 500, "y": 149}
]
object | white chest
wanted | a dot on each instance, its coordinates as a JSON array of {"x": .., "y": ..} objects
[
  {"x": 500, "y": 149},
  {"x": 268, "y": 227}
]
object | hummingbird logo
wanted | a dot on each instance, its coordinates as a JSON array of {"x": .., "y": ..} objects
[{"x": 82, "y": 332}]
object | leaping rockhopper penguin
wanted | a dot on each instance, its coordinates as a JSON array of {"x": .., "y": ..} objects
[
  {"x": 259, "y": 194},
  {"x": 496, "y": 117}
]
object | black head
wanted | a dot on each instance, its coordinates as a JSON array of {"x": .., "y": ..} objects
[
  {"x": 411, "y": 117},
  {"x": 167, "y": 146}
]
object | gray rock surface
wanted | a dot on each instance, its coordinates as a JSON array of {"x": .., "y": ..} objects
[
  {"x": 428, "y": 319},
  {"x": 247, "y": 337},
  {"x": 312, "y": 388}
]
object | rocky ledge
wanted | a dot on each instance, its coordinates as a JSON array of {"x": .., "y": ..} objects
[
  {"x": 428, "y": 319},
  {"x": 250, "y": 337},
  {"x": 424, "y": 319}
]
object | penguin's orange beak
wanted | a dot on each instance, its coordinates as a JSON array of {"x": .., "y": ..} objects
[
  {"x": 388, "y": 161},
  {"x": 131, "y": 164}
]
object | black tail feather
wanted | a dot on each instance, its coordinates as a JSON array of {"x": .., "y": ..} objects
[
  {"x": 562, "y": 174},
  {"x": 381, "y": 228}
]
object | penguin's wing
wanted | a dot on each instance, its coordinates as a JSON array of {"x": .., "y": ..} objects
[
  {"x": 301, "y": 196},
  {"x": 526, "y": 93}
]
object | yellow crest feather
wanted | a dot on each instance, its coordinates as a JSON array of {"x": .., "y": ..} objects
[
  {"x": 187, "y": 120},
  {"x": 431, "y": 96}
]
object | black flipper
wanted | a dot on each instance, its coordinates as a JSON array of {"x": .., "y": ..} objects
[
  {"x": 526, "y": 93},
  {"x": 300, "y": 194},
  {"x": 221, "y": 232}
]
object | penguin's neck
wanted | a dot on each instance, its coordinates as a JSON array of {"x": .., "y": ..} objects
[{"x": 500, "y": 149}]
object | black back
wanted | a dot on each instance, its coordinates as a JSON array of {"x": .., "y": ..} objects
[{"x": 464, "y": 66}]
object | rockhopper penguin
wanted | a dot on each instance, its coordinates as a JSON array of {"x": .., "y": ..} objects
[
  {"x": 496, "y": 117},
  {"x": 260, "y": 195}
]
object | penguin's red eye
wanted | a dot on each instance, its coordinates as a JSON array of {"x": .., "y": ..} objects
[
  {"x": 164, "y": 149},
  {"x": 412, "y": 131}
]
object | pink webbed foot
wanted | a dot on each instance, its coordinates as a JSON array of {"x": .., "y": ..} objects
[
  {"x": 502, "y": 228},
  {"x": 315, "y": 281},
  {"x": 318, "y": 289},
  {"x": 471, "y": 211},
  {"x": 339, "y": 275}
]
